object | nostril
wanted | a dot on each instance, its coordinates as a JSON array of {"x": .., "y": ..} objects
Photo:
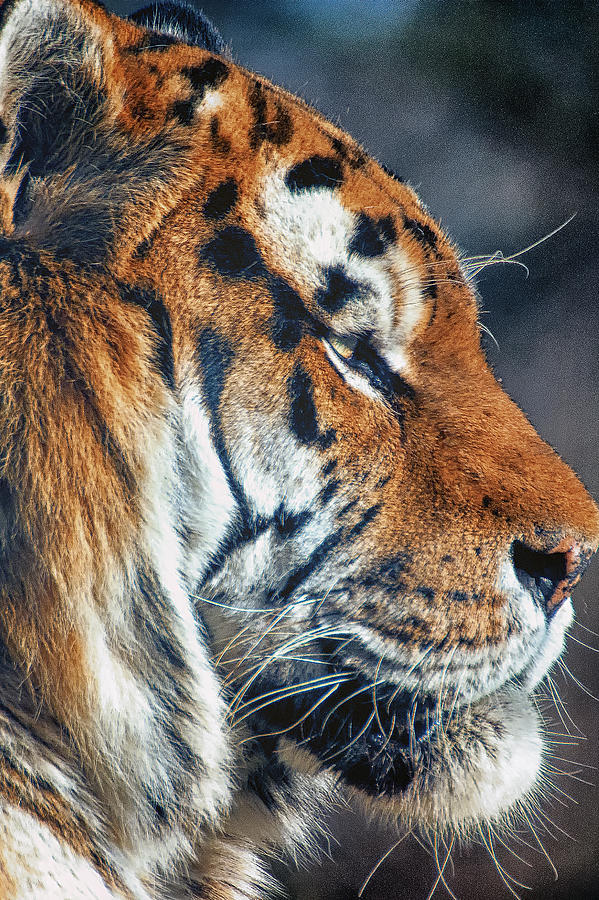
[{"x": 549, "y": 576}]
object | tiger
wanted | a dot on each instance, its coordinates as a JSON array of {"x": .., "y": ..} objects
[{"x": 271, "y": 532}]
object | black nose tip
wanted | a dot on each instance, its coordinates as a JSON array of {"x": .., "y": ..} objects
[{"x": 550, "y": 576}]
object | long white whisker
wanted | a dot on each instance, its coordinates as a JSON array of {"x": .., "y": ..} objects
[
  {"x": 322, "y": 699},
  {"x": 285, "y": 696},
  {"x": 377, "y": 866}
]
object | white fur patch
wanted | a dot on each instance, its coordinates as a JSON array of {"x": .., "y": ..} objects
[
  {"x": 485, "y": 763},
  {"x": 208, "y": 502},
  {"x": 211, "y": 101},
  {"x": 306, "y": 230},
  {"x": 309, "y": 232},
  {"x": 42, "y": 867}
]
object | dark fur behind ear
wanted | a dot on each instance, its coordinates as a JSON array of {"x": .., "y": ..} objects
[
  {"x": 182, "y": 22},
  {"x": 79, "y": 169}
]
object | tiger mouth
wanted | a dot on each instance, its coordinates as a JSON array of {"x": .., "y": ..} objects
[
  {"x": 375, "y": 738},
  {"x": 387, "y": 741}
]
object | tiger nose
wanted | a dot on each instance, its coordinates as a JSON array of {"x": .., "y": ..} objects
[{"x": 550, "y": 575}]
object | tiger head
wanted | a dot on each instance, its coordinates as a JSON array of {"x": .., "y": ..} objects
[{"x": 241, "y": 369}]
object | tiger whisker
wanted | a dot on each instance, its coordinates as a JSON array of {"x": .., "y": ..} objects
[
  {"x": 441, "y": 869},
  {"x": 243, "y": 690},
  {"x": 363, "y": 730},
  {"x": 291, "y": 644},
  {"x": 325, "y": 697},
  {"x": 511, "y": 850},
  {"x": 560, "y": 705},
  {"x": 503, "y": 874},
  {"x": 379, "y": 863},
  {"x": 562, "y": 772},
  {"x": 583, "y": 644},
  {"x": 285, "y": 695},
  {"x": 361, "y": 690},
  {"x": 540, "y": 843},
  {"x": 584, "y": 627},
  {"x": 387, "y": 736},
  {"x": 582, "y": 687},
  {"x": 405, "y": 675},
  {"x": 374, "y": 684}
]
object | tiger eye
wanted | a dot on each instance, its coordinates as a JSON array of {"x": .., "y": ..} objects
[{"x": 344, "y": 345}]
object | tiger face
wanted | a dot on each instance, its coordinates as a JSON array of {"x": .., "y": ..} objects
[{"x": 263, "y": 360}]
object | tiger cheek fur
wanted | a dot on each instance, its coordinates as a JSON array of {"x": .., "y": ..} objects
[{"x": 269, "y": 527}]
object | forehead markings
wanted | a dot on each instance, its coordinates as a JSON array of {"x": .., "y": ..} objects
[
  {"x": 315, "y": 172},
  {"x": 277, "y": 128},
  {"x": 207, "y": 76},
  {"x": 289, "y": 315},
  {"x": 338, "y": 289},
  {"x": 423, "y": 233},
  {"x": 233, "y": 253},
  {"x": 348, "y": 152},
  {"x": 307, "y": 229},
  {"x": 428, "y": 240},
  {"x": 152, "y": 40},
  {"x": 220, "y": 144},
  {"x": 372, "y": 237},
  {"x": 311, "y": 227},
  {"x": 221, "y": 200}
]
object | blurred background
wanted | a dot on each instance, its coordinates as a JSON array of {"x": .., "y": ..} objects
[{"x": 491, "y": 111}]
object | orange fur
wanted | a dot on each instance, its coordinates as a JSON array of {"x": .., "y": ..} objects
[{"x": 111, "y": 271}]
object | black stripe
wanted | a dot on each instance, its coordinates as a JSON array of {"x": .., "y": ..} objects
[
  {"x": 304, "y": 571},
  {"x": 315, "y": 172},
  {"x": 289, "y": 317},
  {"x": 183, "y": 110},
  {"x": 215, "y": 355},
  {"x": 319, "y": 554},
  {"x": 280, "y": 131},
  {"x": 329, "y": 490},
  {"x": 151, "y": 617},
  {"x": 330, "y": 467},
  {"x": 220, "y": 144},
  {"x": 338, "y": 289},
  {"x": 257, "y": 102},
  {"x": 372, "y": 237},
  {"x": 221, "y": 200},
  {"x": 154, "y": 40},
  {"x": 285, "y": 523},
  {"x": 233, "y": 253},
  {"x": 302, "y": 414},
  {"x": 209, "y": 75},
  {"x": 150, "y": 301},
  {"x": 423, "y": 233},
  {"x": 392, "y": 174},
  {"x": 100, "y": 429},
  {"x": 366, "y": 519}
]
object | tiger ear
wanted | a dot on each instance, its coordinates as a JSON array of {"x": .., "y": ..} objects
[
  {"x": 52, "y": 100},
  {"x": 182, "y": 22},
  {"x": 85, "y": 166},
  {"x": 51, "y": 84}
]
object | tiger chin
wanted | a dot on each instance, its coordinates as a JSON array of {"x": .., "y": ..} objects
[{"x": 270, "y": 530}]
